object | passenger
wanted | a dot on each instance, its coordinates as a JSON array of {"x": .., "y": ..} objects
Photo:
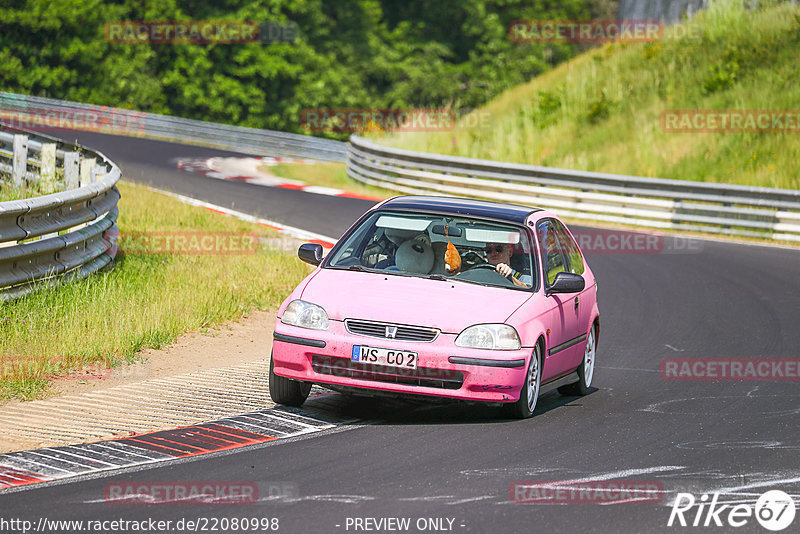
[{"x": 499, "y": 255}]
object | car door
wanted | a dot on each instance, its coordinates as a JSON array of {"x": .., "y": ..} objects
[
  {"x": 583, "y": 301},
  {"x": 564, "y": 348}
]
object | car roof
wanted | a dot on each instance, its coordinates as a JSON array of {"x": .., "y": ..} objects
[{"x": 461, "y": 207}]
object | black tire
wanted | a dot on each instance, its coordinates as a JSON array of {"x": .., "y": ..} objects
[
  {"x": 285, "y": 390},
  {"x": 529, "y": 396},
  {"x": 581, "y": 387}
]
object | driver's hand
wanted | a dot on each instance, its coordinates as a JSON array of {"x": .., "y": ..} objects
[{"x": 504, "y": 269}]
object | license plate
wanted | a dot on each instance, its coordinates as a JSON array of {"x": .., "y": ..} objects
[{"x": 390, "y": 357}]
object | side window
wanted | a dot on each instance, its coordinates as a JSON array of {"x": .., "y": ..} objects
[
  {"x": 571, "y": 250},
  {"x": 553, "y": 261}
]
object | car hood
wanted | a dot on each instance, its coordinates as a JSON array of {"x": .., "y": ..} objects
[{"x": 448, "y": 306}]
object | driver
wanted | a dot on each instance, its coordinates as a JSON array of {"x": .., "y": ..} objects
[{"x": 499, "y": 255}]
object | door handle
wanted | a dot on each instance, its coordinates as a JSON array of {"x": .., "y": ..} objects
[{"x": 577, "y": 301}]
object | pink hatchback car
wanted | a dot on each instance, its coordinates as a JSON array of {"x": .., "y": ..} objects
[{"x": 442, "y": 297}]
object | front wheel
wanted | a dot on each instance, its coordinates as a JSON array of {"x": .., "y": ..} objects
[
  {"x": 586, "y": 369},
  {"x": 285, "y": 390},
  {"x": 525, "y": 406}
]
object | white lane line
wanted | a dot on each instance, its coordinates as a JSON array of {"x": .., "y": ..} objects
[
  {"x": 87, "y": 449},
  {"x": 269, "y": 182},
  {"x": 121, "y": 448},
  {"x": 776, "y": 482},
  {"x": 628, "y": 369},
  {"x": 320, "y": 190},
  {"x": 249, "y": 427},
  {"x": 291, "y": 230},
  {"x": 53, "y": 456},
  {"x": 264, "y": 422},
  {"x": 86, "y": 458},
  {"x": 35, "y": 468},
  {"x": 613, "y": 475},
  {"x": 472, "y": 499},
  {"x": 284, "y": 420}
]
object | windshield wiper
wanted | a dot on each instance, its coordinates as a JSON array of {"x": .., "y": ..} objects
[
  {"x": 466, "y": 281},
  {"x": 439, "y": 277}
]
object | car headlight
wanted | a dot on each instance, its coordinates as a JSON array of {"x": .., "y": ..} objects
[
  {"x": 305, "y": 315},
  {"x": 489, "y": 336}
]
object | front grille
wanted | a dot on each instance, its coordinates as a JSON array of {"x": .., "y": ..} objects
[
  {"x": 377, "y": 329},
  {"x": 423, "y": 376}
]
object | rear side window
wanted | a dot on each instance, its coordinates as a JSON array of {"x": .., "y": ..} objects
[
  {"x": 553, "y": 260},
  {"x": 570, "y": 248}
]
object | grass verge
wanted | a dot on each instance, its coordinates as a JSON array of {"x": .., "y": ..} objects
[
  {"x": 145, "y": 301},
  {"x": 9, "y": 191},
  {"x": 602, "y": 110}
]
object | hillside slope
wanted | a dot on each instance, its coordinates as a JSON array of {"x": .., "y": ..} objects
[{"x": 602, "y": 111}]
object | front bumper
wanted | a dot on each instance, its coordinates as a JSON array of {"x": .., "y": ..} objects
[{"x": 443, "y": 370}]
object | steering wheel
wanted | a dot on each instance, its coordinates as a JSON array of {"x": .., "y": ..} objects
[
  {"x": 485, "y": 273},
  {"x": 484, "y": 266}
]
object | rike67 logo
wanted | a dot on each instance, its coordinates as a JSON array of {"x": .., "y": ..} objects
[{"x": 774, "y": 510}]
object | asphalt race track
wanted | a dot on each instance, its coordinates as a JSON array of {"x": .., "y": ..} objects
[
  {"x": 154, "y": 163},
  {"x": 457, "y": 462}
]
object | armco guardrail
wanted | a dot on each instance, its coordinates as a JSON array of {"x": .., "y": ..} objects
[
  {"x": 61, "y": 236},
  {"x": 48, "y": 112},
  {"x": 591, "y": 196}
]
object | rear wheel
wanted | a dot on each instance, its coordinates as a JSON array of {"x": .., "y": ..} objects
[
  {"x": 525, "y": 406},
  {"x": 285, "y": 390},
  {"x": 586, "y": 369}
]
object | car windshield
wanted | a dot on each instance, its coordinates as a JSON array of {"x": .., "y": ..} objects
[{"x": 434, "y": 246}]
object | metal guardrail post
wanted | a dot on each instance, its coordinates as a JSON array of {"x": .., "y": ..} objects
[
  {"x": 20, "y": 162},
  {"x": 71, "y": 170},
  {"x": 48, "y": 167},
  {"x": 86, "y": 170}
]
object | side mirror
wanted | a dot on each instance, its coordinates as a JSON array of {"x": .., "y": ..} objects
[
  {"x": 566, "y": 283},
  {"x": 310, "y": 253}
]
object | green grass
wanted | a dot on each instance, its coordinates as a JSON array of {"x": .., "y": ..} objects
[
  {"x": 144, "y": 301},
  {"x": 9, "y": 191},
  {"x": 601, "y": 111},
  {"x": 327, "y": 175}
]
